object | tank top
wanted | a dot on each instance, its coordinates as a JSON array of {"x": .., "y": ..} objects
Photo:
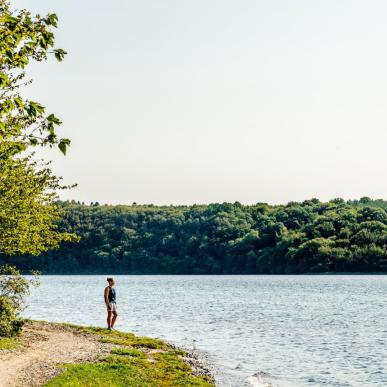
[{"x": 112, "y": 295}]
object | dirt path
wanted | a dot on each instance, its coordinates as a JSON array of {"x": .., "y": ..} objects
[{"x": 43, "y": 346}]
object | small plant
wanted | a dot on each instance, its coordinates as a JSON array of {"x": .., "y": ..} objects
[
  {"x": 14, "y": 288},
  {"x": 8, "y": 343}
]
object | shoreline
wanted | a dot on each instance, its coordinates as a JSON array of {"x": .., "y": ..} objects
[
  {"x": 328, "y": 273},
  {"x": 58, "y": 354}
]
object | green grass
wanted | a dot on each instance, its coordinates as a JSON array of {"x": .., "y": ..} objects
[
  {"x": 128, "y": 352},
  {"x": 122, "y": 371},
  {"x": 136, "y": 342},
  {"x": 8, "y": 343},
  {"x": 121, "y": 338},
  {"x": 131, "y": 364}
]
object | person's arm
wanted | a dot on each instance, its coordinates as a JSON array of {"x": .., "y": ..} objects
[{"x": 107, "y": 296}]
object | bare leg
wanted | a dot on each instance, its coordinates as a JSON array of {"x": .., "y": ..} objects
[
  {"x": 109, "y": 319},
  {"x": 114, "y": 318}
]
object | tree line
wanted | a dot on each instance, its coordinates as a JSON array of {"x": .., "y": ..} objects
[
  {"x": 227, "y": 238},
  {"x": 28, "y": 188}
]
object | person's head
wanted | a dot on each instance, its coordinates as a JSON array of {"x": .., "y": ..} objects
[{"x": 110, "y": 281}]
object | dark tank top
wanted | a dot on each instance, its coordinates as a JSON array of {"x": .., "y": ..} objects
[{"x": 112, "y": 295}]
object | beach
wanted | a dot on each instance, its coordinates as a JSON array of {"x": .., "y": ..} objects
[{"x": 45, "y": 350}]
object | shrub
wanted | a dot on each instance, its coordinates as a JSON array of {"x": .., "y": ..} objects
[
  {"x": 10, "y": 325},
  {"x": 14, "y": 288}
]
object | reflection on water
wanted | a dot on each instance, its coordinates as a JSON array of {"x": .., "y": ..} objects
[{"x": 283, "y": 330}]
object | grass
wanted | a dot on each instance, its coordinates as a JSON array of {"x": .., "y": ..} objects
[
  {"x": 136, "y": 361},
  {"x": 123, "y": 339},
  {"x": 136, "y": 342},
  {"x": 8, "y": 343},
  {"x": 129, "y": 352}
]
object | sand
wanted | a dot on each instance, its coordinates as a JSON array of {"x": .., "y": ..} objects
[{"x": 43, "y": 347}]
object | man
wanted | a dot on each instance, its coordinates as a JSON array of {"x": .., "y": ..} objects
[{"x": 110, "y": 301}]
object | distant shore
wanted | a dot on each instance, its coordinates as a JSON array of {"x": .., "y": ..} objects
[
  {"x": 219, "y": 275},
  {"x": 313, "y": 237},
  {"x": 60, "y": 354}
]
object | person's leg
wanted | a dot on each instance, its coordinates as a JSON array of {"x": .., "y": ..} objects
[
  {"x": 109, "y": 319},
  {"x": 114, "y": 318}
]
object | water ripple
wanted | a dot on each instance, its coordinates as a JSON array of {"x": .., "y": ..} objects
[{"x": 257, "y": 330}]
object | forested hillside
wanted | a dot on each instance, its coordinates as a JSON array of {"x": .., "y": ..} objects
[{"x": 338, "y": 236}]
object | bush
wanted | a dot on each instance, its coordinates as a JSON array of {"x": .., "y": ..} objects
[
  {"x": 10, "y": 325},
  {"x": 14, "y": 288}
]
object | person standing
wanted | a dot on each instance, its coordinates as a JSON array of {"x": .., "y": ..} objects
[{"x": 110, "y": 301}]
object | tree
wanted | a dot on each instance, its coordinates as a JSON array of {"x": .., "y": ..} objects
[
  {"x": 23, "y": 38},
  {"x": 28, "y": 214},
  {"x": 27, "y": 210},
  {"x": 27, "y": 190},
  {"x": 218, "y": 238}
]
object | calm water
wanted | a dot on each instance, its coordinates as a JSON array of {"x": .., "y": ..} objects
[{"x": 285, "y": 330}]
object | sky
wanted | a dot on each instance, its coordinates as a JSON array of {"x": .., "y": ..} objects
[{"x": 203, "y": 101}]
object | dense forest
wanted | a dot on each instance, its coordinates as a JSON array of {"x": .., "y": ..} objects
[{"x": 307, "y": 237}]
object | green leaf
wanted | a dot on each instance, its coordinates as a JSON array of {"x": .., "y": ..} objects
[
  {"x": 53, "y": 119},
  {"x": 34, "y": 108},
  {"x": 4, "y": 80},
  {"x": 52, "y": 20},
  {"x": 63, "y": 144},
  {"x": 19, "y": 102},
  {"x": 59, "y": 54}
]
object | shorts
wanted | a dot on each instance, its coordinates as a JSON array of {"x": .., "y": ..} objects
[{"x": 112, "y": 307}]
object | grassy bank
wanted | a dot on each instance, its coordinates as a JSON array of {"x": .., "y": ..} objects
[
  {"x": 134, "y": 361},
  {"x": 129, "y": 360}
]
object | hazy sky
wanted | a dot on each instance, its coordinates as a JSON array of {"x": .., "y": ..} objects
[{"x": 197, "y": 101}]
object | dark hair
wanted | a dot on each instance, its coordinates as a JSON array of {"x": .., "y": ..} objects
[{"x": 109, "y": 279}]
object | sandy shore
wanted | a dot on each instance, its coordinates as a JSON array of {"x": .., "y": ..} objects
[{"x": 44, "y": 346}]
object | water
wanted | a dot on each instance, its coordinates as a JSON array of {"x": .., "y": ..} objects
[{"x": 256, "y": 330}]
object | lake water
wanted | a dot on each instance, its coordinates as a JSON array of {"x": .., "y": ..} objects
[{"x": 255, "y": 330}]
